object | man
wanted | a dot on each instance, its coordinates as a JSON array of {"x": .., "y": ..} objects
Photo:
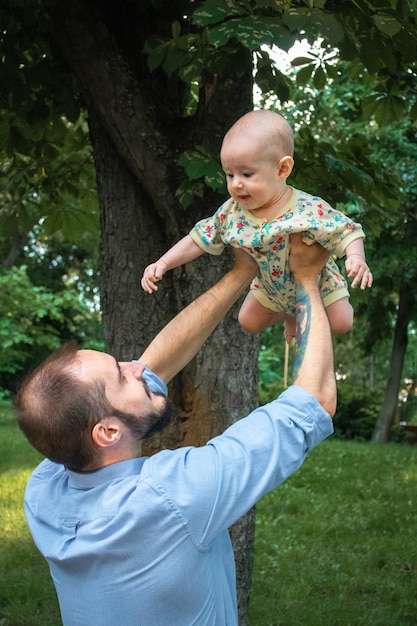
[{"x": 134, "y": 541}]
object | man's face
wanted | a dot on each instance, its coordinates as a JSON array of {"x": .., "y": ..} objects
[{"x": 125, "y": 389}]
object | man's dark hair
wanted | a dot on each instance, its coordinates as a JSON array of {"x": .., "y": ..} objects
[{"x": 57, "y": 411}]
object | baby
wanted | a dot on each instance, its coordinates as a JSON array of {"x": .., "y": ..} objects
[{"x": 262, "y": 212}]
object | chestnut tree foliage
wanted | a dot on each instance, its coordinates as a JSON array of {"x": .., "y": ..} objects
[{"x": 157, "y": 84}]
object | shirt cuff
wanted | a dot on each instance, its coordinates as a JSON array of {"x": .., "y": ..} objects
[{"x": 153, "y": 382}]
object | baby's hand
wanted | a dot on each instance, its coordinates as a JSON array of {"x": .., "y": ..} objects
[
  {"x": 356, "y": 266},
  {"x": 152, "y": 274}
]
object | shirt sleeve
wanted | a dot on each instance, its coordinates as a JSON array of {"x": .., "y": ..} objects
[
  {"x": 208, "y": 233},
  {"x": 214, "y": 485},
  {"x": 331, "y": 228}
]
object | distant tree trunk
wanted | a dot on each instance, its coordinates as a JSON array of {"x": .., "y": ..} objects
[
  {"x": 138, "y": 130},
  {"x": 386, "y": 417},
  {"x": 18, "y": 240},
  {"x": 409, "y": 402}
]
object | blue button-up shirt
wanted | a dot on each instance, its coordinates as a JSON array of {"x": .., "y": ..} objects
[{"x": 144, "y": 542}]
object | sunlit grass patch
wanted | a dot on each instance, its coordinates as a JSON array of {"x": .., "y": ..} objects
[{"x": 27, "y": 595}]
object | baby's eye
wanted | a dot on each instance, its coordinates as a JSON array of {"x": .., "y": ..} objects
[
  {"x": 247, "y": 174},
  {"x": 229, "y": 175}
]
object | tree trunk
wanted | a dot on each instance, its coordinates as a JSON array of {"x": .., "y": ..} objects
[
  {"x": 389, "y": 406},
  {"x": 18, "y": 240},
  {"x": 137, "y": 131}
]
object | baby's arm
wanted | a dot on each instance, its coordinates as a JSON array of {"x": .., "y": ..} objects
[
  {"x": 182, "y": 252},
  {"x": 356, "y": 264}
]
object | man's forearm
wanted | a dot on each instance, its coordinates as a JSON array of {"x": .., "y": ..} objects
[
  {"x": 180, "y": 339},
  {"x": 314, "y": 367},
  {"x": 314, "y": 364}
]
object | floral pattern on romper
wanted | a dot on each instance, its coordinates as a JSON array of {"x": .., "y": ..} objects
[{"x": 268, "y": 243}]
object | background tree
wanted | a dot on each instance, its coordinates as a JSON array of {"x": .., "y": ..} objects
[
  {"x": 161, "y": 83},
  {"x": 48, "y": 238}
]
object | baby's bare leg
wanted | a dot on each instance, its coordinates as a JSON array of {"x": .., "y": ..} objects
[
  {"x": 340, "y": 314},
  {"x": 254, "y": 318}
]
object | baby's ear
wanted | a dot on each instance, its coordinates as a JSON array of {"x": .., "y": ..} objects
[{"x": 285, "y": 166}]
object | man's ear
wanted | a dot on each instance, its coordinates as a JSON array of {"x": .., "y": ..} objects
[
  {"x": 107, "y": 432},
  {"x": 285, "y": 166}
]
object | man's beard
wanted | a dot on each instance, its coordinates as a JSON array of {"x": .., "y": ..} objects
[
  {"x": 157, "y": 420},
  {"x": 147, "y": 425}
]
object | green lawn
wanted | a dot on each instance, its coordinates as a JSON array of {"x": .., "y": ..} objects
[
  {"x": 336, "y": 545},
  {"x": 27, "y": 595}
]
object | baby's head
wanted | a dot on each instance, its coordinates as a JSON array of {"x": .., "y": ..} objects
[{"x": 263, "y": 132}]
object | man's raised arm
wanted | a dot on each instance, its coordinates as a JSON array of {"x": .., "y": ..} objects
[
  {"x": 183, "y": 336},
  {"x": 314, "y": 365}
]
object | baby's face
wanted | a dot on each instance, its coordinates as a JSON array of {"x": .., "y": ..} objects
[{"x": 252, "y": 172}]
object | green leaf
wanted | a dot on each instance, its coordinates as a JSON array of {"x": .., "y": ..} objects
[
  {"x": 156, "y": 49},
  {"x": 296, "y": 18},
  {"x": 213, "y": 12},
  {"x": 369, "y": 54},
  {"x": 192, "y": 69},
  {"x": 21, "y": 217},
  {"x": 384, "y": 108},
  {"x": 188, "y": 191},
  {"x": 176, "y": 29},
  {"x": 319, "y": 78},
  {"x": 301, "y": 61},
  {"x": 328, "y": 26},
  {"x": 317, "y": 22},
  {"x": 304, "y": 74},
  {"x": 200, "y": 165},
  {"x": 252, "y": 32},
  {"x": 174, "y": 59},
  {"x": 406, "y": 44},
  {"x": 268, "y": 78},
  {"x": 72, "y": 222},
  {"x": 386, "y": 24}
]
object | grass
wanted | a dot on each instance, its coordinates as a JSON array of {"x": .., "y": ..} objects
[
  {"x": 27, "y": 595},
  {"x": 335, "y": 545}
]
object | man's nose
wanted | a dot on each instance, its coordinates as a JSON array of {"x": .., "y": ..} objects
[
  {"x": 137, "y": 369},
  {"x": 134, "y": 368}
]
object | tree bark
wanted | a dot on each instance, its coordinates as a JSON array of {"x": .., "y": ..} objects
[{"x": 137, "y": 131}]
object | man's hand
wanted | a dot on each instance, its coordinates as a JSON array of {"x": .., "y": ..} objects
[
  {"x": 245, "y": 263},
  {"x": 306, "y": 261},
  {"x": 152, "y": 274}
]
